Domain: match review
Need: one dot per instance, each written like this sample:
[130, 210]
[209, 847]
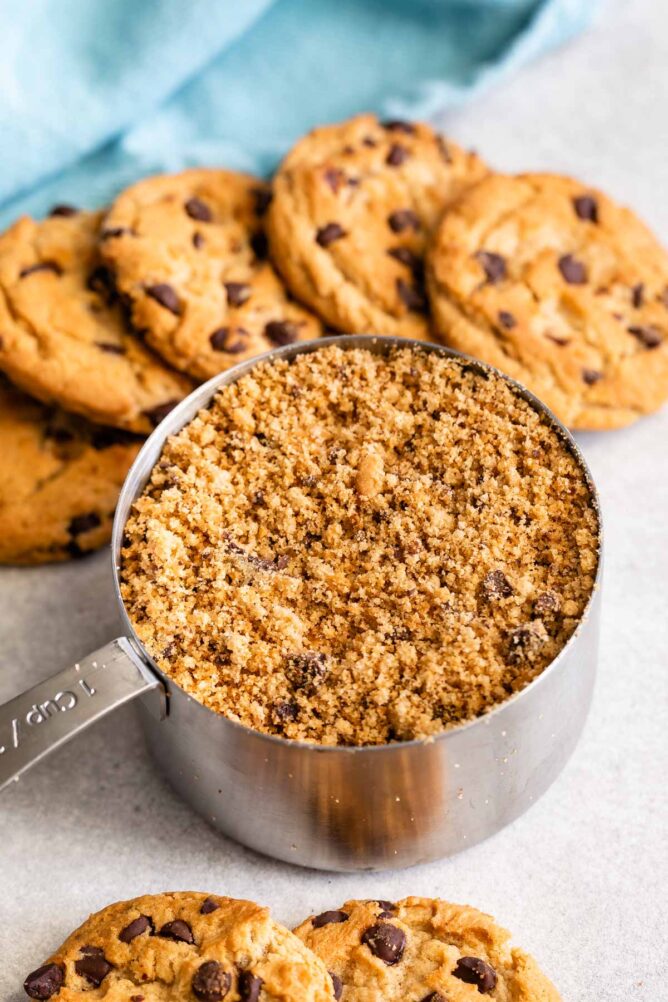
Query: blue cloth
[94, 93]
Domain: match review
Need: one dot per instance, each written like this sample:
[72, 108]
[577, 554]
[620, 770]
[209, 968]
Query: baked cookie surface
[63, 337]
[421, 950]
[59, 480]
[354, 205]
[561, 288]
[182, 947]
[188, 250]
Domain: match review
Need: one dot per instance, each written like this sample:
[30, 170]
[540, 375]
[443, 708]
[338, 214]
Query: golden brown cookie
[354, 205]
[421, 950]
[63, 337]
[310, 544]
[181, 947]
[59, 480]
[188, 250]
[561, 288]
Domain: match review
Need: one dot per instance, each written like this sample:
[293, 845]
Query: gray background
[581, 878]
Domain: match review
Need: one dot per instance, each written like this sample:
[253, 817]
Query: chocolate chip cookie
[59, 480]
[309, 546]
[181, 947]
[354, 205]
[561, 288]
[421, 950]
[189, 252]
[63, 336]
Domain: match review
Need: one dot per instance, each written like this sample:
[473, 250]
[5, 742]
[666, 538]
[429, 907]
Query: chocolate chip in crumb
[166, 296]
[525, 642]
[403, 219]
[83, 523]
[135, 928]
[208, 906]
[638, 295]
[63, 210]
[326, 235]
[238, 293]
[586, 207]
[93, 966]
[177, 930]
[156, 414]
[249, 986]
[387, 942]
[434, 997]
[281, 332]
[307, 671]
[397, 156]
[494, 265]
[337, 985]
[199, 210]
[507, 320]
[211, 982]
[547, 602]
[45, 982]
[474, 971]
[411, 296]
[284, 712]
[591, 376]
[572, 270]
[329, 918]
[51, 266]
[495, 584]
[649, 337]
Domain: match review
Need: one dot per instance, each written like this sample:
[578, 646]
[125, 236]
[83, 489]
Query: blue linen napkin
[94, 93]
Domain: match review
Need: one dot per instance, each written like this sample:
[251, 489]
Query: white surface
[581, 878]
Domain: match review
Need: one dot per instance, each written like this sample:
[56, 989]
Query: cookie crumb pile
[352, 549]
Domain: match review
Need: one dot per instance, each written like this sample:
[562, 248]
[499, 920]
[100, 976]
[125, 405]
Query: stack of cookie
[188, 946]
[373, 227]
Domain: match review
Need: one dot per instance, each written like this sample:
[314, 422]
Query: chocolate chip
[237, 293]
[591, 376]
[63, 210]
[638, 295]
[42, 266]
[496, 585]
[444, 149]
[526, 641]
[198, 241]
[156, 414]
[281, 332]
[337, 985]
[284, 712]
[408, 258]
[328, 918]
[492, 264]
[177, 930]
[111, 349]
[135, 928]
[326, 235]
[259, 245]
[648, 336]
[211, 982]
[572, 270]
[114, 231]
[586, 207]
[83, 523]
[561, 341]
[474, 971]
[208, 906]
[403, 219]
[387, 942]
[398, 154]
[387, 906]
[334, 178]
[412, 296]
[136, 998]
[434, 997]
[101, 281]
[166, 296]
[262, 199]
[398, 125]
[104, 438]
[249, 986]
[507, 320]
[547, 601]
[93, 966]
[197, 209]
[307, 671]
[44, 982]
[368, 141]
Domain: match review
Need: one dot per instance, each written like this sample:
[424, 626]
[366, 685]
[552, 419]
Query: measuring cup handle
[48, 715]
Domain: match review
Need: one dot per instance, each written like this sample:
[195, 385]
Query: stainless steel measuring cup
[328, 807]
